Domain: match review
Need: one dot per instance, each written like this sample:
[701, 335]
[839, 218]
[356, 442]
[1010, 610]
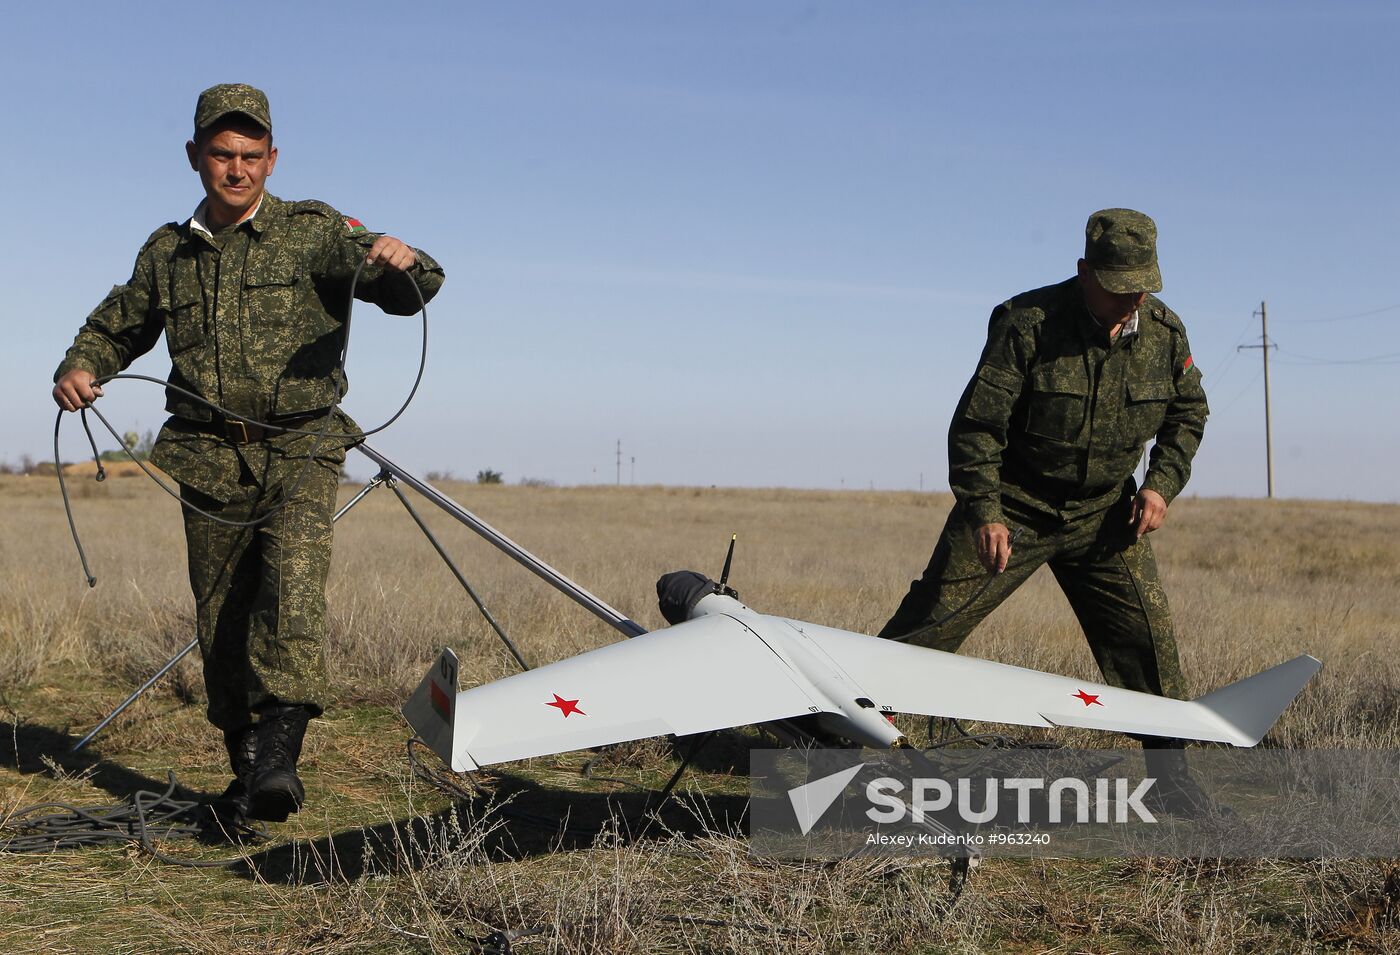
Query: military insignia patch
[354, 225]
[1187, 364]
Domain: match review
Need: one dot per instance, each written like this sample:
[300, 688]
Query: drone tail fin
[1249, 707]
[432, 712]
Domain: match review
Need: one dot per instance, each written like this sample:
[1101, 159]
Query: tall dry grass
[1251, 583]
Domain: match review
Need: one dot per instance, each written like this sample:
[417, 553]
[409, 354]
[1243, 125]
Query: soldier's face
[1110, 308]
[233, 162]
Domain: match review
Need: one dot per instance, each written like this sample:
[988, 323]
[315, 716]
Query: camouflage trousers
[1110, 580]
[260, 592]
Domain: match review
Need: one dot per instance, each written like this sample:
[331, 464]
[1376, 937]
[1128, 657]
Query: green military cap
[1120, 245]
[218, 101]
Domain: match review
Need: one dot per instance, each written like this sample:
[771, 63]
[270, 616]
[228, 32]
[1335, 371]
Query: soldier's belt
[246, 432]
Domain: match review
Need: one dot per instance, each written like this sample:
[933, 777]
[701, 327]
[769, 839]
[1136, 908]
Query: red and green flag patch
[438, 696]
[1188, 363]
[354, 225]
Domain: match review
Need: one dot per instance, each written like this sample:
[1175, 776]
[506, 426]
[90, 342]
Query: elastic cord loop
[310, 456]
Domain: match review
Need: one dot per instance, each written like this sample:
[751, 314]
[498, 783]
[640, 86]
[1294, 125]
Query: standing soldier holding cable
[252, 293]
[1074, 380]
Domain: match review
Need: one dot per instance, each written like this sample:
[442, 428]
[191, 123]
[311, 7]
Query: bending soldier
[1074, 380]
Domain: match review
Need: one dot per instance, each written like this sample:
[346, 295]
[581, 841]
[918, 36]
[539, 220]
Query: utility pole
[1264, 345]
[619, 462]
[634, 469]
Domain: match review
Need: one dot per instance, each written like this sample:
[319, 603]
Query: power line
[1225, 364]
[1341, 318]
[1238, 395]
[1298, 359]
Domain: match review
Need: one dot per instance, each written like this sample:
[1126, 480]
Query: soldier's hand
[993, 546]
[1149, 512]
[392, 254]
[76, 390]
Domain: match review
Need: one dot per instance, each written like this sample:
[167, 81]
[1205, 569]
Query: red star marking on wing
[566, 706]
[1090, 699]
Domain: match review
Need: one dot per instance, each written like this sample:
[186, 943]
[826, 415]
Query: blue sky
[755, 242]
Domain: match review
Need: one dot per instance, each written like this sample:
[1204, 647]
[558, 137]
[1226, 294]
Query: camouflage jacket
[256, 326]
[255, 322]
[1056, 417]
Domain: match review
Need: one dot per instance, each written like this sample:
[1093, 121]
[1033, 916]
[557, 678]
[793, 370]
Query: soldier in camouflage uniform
[1074, 380]
[251, 293]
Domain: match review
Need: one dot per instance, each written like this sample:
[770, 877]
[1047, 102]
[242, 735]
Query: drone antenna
[728, 559]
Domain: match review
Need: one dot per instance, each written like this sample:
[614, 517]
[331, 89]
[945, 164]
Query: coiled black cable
[149, 817]
[310, 455]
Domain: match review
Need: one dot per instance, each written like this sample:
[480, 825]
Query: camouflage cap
[1120, 245]
[218, 101]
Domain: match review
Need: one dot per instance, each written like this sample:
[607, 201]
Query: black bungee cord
[310, 456]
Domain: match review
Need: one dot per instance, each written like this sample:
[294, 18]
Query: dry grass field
[380, 862]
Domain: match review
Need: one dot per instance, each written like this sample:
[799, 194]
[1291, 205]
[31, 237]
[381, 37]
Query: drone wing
[909, 679]
[704, 674]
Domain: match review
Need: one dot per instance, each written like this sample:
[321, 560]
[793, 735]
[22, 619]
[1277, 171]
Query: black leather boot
[1176, 792]
[242, 747]
[276, 791]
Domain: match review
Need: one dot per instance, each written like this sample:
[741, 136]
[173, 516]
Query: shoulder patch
[355, 225]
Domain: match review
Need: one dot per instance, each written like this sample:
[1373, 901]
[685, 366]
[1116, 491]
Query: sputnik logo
[565, 706]
[811, 800]
[1089, 699]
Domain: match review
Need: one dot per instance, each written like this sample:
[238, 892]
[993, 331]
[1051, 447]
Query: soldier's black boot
[1176, 792]
[276, 791]
[242, 746]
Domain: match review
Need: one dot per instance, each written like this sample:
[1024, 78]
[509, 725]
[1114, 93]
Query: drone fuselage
[849, 711]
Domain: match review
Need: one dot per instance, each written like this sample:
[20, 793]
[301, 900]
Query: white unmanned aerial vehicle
[723, 665]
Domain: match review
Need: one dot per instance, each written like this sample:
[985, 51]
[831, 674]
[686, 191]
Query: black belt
[246, 432]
